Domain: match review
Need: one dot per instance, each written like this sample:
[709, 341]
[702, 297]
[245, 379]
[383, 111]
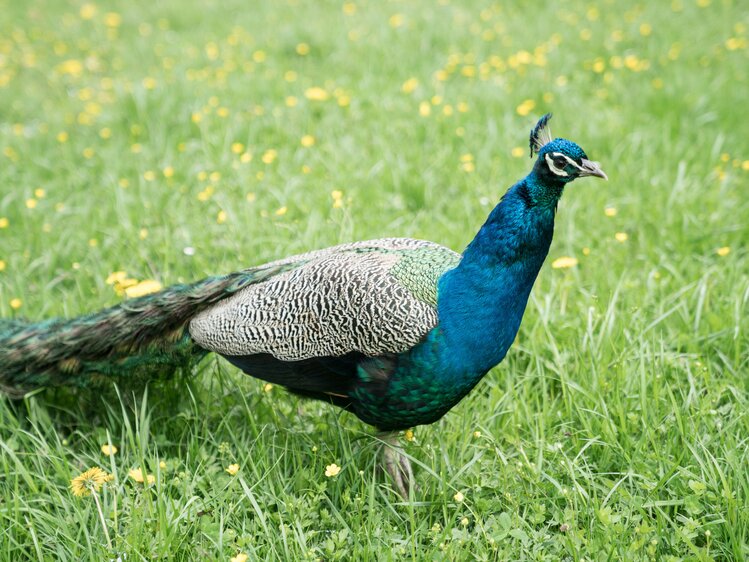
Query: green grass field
[173, 140]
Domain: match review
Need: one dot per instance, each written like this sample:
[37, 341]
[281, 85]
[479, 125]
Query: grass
[617, 427]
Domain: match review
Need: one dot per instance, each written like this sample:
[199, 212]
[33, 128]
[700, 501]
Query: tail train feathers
[139, 337]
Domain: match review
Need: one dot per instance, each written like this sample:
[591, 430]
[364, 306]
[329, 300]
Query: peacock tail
[145, 336]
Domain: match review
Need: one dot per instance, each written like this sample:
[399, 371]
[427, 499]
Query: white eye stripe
[553, 167]
[569, 160]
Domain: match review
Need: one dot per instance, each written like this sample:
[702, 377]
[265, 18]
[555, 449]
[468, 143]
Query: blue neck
[481, 302]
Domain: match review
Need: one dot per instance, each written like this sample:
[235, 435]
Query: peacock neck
[481, 302]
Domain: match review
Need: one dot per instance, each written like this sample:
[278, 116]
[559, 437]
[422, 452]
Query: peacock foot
[397, 465]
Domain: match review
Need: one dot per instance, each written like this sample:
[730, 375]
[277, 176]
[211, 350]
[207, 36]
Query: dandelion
[237, 148]
[302, 49]
[108, 449]
[4, 222]
[267, 387]
[316, 94]
[332, 470]
[526, 107]
[425, 109]
[31, 203]
[90, 481]
[410, 85]
[87, 11]
[724, 251]
[409, 435]
[459, 497]
[168, 172]
[2, 265]
[621, 236]
[565, 262]
[269, 156]
[241, 557]
[337, 196]
[610, 211]
[112, 19]
[518, 152]
[307, 141]
[281, 211]
[162, 465]
[143, 288]
[137, 475]
[15, 304]
[221, 217]
[396, 20]
[232, 469]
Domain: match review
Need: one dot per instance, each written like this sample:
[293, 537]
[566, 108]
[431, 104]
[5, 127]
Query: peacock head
[559, 161]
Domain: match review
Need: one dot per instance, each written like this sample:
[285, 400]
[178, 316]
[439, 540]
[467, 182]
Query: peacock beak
[590, 168]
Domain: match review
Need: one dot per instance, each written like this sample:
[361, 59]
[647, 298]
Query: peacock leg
[396, 464]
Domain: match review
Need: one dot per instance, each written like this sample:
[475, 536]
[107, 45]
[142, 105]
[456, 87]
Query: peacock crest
[540, 134]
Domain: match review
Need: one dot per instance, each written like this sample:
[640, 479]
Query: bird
[395, 330]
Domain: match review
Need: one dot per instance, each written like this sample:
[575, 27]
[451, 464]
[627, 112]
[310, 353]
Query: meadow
[173, 140]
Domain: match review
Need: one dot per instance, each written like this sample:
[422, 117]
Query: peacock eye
[560, 162]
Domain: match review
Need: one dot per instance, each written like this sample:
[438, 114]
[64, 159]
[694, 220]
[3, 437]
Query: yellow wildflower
[724, 251]
[87, 11]
[477, 434]
[221, 217]
[564, 262]
[2, 265]
[108, 449]
[116, 277]
[621, 236]
[269, 156]
[396, 20]
[112, 19]
[307, 141]
[15, 304]
[459, 497]
[237, 148]
[316, 94]
[409, 435]
[281, 211]
[425, 109]
[410, 85]
[162, 465]
[526, 107]
[332, 470]
[302, 49]
[39, 193]
[137, 475]
[267, 387]
[143, 288]
[168, 172]
[31, 203]
[90, 481]
[232, 469]
[4, 222]
[241, 557]
[610, 211]
[518, 152]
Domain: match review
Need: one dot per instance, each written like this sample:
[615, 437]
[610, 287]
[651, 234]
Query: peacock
[395, 330]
